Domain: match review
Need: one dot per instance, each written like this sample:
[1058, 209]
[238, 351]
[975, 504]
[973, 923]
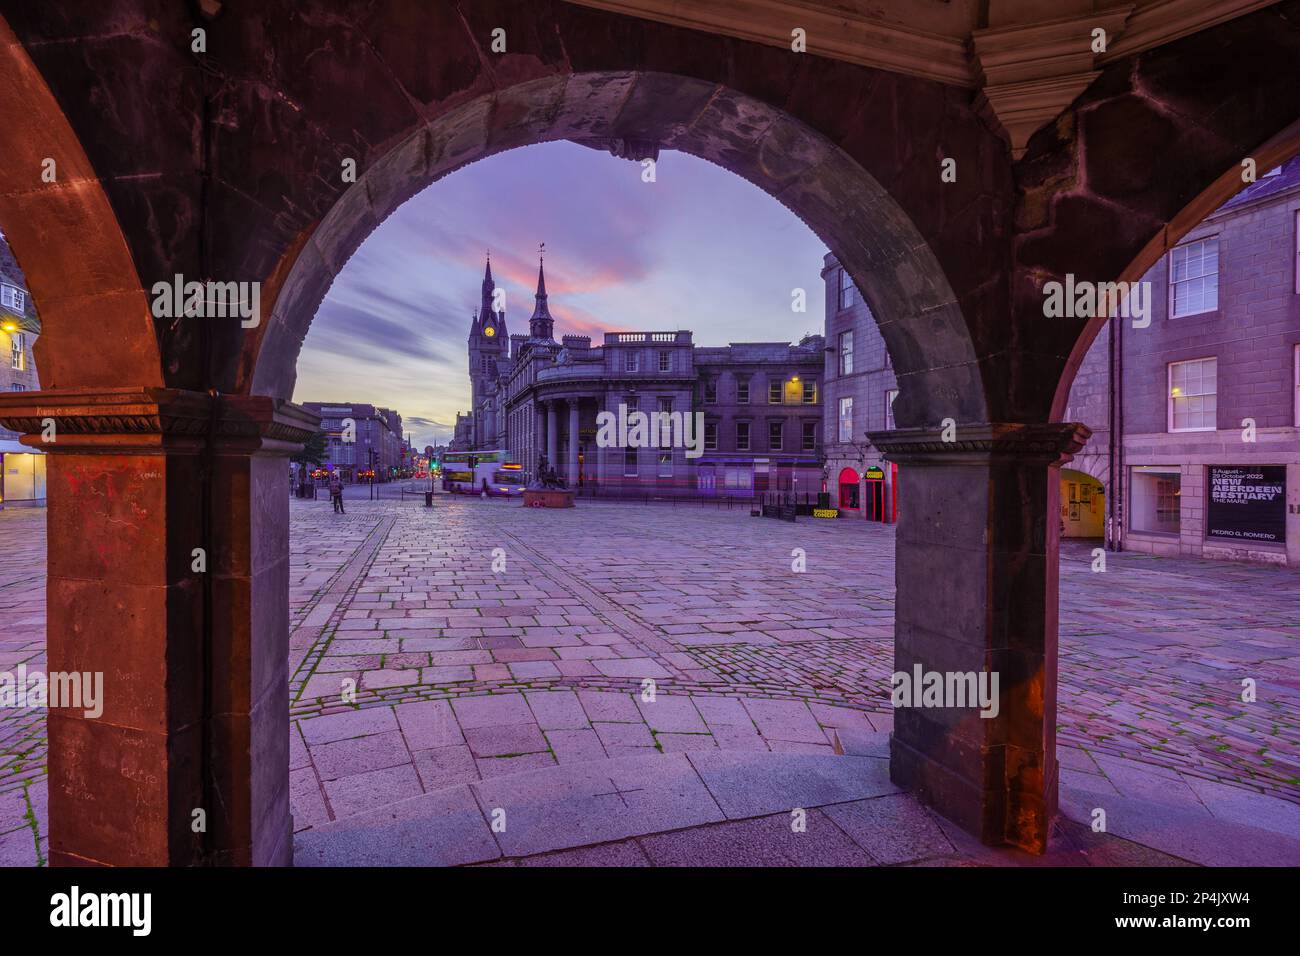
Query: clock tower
[488, 342]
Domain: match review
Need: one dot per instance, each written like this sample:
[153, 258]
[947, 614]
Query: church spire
[486, 310]
[541, 325]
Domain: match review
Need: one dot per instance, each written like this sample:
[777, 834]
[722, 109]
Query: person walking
[336, 493]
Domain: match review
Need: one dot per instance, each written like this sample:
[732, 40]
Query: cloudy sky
[697, 249]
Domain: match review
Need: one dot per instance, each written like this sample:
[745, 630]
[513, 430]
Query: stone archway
[65, 235]
[1272, 152]
[635, 115]
[229, 165]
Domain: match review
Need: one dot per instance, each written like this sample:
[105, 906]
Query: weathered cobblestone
[551, 651]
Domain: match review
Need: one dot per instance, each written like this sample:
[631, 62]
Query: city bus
[476, 472]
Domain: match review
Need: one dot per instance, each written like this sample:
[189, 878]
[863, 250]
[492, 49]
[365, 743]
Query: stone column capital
[120, 420]
[1045, 443]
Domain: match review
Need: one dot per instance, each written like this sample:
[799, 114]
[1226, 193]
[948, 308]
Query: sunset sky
[698, 249]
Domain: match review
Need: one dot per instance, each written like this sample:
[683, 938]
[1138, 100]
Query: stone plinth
[548, 498]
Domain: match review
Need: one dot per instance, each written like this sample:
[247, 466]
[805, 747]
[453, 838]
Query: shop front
[22, 475]
[882, 493]
[850, 491]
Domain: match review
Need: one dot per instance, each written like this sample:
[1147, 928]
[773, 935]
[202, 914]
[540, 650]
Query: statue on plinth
[546, 477]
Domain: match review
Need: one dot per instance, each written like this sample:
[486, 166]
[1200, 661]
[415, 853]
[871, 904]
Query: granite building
[1195, 449]
[377, 443]
[22, 469]
[757, 405]
[860, 388]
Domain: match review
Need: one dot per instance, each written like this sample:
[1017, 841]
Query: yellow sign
[826, 513]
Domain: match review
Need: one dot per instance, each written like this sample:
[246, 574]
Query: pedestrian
[336, 493]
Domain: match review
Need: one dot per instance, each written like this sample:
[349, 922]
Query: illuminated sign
[826, 513]
[1247, 503]
[874, 473]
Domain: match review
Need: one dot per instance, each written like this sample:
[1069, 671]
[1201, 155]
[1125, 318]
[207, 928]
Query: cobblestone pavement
[480, 638]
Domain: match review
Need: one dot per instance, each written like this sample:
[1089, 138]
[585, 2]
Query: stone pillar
[572, 472]
[192, 644]
[552, 436]
[976, 571]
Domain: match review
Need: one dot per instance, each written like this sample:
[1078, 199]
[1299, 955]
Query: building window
[710, 436]
[846, 352]
[774, 392]
[809, 392]
[1297, 251]
[711, 392]
[738, 478]
[12, 297]
[809, 436]
[742, 391]
[775, 432]
[1297, 385]
[665, 361]
[15, 387]
[633, 402]
[1155, 499]
[846, 290]
[629, 361]
[629, 463]
[889, 409]
[846, 419]
[664, 423]
[742, 436]
[666, 463]
[1193, 399]
[1194, 277]
[16, 356]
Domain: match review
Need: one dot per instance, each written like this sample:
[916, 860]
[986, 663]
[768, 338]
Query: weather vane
[541, 251]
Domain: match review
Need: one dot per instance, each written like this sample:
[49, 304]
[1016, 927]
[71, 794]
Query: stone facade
[19, 328]
[860, 387]
[1243, 315]
[759, 405]
[378, 430]
[22, 469]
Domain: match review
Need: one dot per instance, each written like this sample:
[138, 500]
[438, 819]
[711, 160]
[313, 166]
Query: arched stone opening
[1272, 152]
[244, 199]
[65, 235]
[634, 114]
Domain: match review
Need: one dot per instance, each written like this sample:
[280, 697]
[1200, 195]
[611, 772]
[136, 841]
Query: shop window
[1156, 497]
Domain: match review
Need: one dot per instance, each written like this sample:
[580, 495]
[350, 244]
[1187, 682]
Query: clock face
[490, 331]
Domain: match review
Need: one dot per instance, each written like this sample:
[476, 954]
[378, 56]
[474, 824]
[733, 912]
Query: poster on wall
[1247, 503]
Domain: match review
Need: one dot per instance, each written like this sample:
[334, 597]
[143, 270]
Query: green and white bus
[482, 473]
